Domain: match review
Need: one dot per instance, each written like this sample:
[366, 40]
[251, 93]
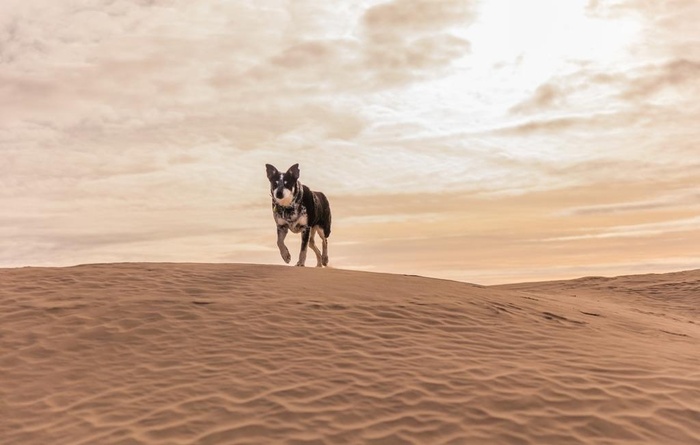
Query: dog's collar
[281, 210]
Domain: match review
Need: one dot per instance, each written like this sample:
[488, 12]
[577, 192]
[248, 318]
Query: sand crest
[250, 354]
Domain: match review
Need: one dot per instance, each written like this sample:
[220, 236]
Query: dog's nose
[279, 193]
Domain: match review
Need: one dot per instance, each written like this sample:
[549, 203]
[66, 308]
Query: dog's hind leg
[281, 235]
[305, 232]
[312, 244]
[324, 242]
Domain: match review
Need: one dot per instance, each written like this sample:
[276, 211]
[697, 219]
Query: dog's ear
[271, 171]
[294, 170]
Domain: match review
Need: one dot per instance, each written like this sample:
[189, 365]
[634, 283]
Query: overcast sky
[486, 141]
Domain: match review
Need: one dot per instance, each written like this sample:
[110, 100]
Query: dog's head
[283, 186]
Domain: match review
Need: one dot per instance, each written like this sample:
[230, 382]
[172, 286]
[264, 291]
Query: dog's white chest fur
[295, 220]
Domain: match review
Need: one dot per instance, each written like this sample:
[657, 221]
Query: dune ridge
[152, 353]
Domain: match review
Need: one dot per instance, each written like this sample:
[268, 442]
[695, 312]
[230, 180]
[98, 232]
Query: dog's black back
[318, 210]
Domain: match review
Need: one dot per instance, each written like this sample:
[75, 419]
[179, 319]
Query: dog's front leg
[281, 235]
[305, 232]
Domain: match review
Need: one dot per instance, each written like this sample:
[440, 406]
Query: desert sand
[251, 354]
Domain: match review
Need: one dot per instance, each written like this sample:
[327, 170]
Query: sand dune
[249, 354]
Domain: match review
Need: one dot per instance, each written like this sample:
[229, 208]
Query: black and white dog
[295, 207]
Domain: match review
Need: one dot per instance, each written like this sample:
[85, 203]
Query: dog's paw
[300, 264]
[286, 256]
[325, 260]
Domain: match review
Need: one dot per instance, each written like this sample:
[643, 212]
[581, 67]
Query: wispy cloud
[685, 199]
[636, 230]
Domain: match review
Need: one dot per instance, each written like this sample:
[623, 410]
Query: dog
[295, 207]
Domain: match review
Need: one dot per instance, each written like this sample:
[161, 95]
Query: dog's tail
[327, 227]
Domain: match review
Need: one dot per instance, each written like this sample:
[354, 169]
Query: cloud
[681, 75]
[100, 89]
[678, 76]
[588, 90]
[401, 61]
[637, 230]
[669, 30]
[301, 70]
[407, 16]
[571, 93]
[134, 56]
[547, 96]
[115, 72]
[398, 43]
[557, 124]
[684, 199]
[412, 39]
[652, 10]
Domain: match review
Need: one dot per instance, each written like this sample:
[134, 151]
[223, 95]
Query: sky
[486, 141]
